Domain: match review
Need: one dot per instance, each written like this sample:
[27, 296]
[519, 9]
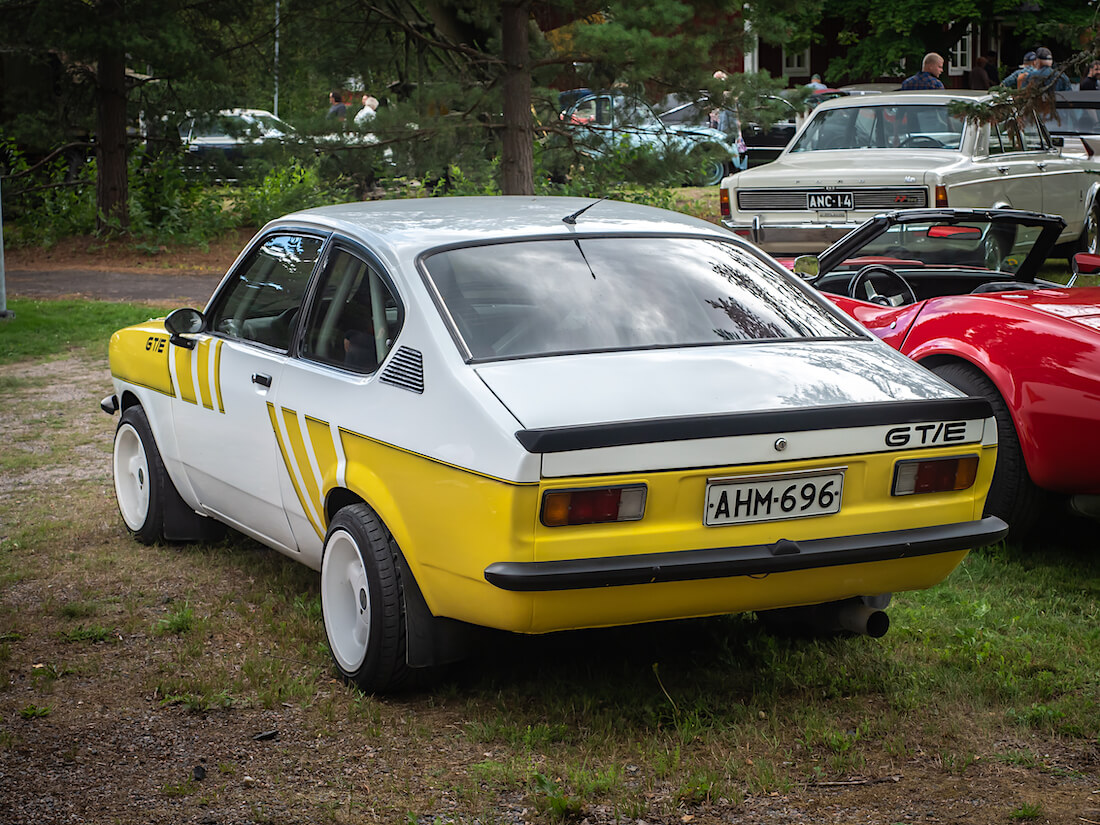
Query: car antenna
[572, 219]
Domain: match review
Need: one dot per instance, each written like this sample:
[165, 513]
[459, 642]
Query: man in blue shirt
[929, 75]
[1046, 73]
[1019, 78]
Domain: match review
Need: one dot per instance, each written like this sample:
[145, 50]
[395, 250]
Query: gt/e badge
[155, 343]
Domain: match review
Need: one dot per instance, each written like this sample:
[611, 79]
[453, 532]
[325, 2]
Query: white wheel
[141, 482]
[362, 602]
[131, 477]
[345, 595]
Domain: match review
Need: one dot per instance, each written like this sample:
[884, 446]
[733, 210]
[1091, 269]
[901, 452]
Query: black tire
[712, 172]
[362, 601]
[142, 485]
[1090, 235]
[1013, 496]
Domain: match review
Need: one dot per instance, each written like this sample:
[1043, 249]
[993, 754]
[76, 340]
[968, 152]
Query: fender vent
[405, 370]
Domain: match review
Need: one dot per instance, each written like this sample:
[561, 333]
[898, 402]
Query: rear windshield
[579, 295]
[881, 127]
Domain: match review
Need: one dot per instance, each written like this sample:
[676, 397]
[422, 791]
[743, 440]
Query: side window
[1008, 133]
[1032, 137]
[354, 319]
[262, 302]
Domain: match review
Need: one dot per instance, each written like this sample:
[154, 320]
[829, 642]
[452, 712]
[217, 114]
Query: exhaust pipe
[856, 617]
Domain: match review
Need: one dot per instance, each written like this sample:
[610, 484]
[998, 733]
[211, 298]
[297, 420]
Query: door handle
[261, 379]
[1003, 170]
[1042, 164]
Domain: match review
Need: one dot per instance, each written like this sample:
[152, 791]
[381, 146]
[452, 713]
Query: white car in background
[857, 156]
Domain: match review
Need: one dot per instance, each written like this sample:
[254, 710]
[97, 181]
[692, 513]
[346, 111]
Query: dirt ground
[111, 751]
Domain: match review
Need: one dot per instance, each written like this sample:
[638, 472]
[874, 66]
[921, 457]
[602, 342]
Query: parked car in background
[1076, 119]
[958, 291]
[859, 155]
[607, 122]
[229, 137]
[761, 145]
[539, 414]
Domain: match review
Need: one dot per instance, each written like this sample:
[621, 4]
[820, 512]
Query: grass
[47, 328]
[989, 680]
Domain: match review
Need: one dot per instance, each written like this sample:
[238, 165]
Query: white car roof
[409, 227]
[899, 98]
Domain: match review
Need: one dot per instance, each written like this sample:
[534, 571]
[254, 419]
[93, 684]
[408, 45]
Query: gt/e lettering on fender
[155, 343]
[919, 435]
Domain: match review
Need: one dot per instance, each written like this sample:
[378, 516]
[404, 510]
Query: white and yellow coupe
[539, 414]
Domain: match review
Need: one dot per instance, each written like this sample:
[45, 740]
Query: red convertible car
[958, 291]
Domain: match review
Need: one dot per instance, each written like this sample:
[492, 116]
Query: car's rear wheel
[362, 602]
[141, 482]
[1013, 496]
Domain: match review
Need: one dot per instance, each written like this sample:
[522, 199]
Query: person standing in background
[979, 77]
[929, 75]
[337, 109]
[1089, 81]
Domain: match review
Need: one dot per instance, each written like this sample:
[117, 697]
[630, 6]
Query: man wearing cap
[1046, 74]
[1019, 78]
[929, 75]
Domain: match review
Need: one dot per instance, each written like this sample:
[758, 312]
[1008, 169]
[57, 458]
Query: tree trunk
[111, 186]
[518, 163]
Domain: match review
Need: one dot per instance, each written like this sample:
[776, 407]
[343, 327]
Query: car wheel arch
[431, 641]
[1006, 386]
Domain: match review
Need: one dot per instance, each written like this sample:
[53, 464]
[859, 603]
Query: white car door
[350, 327]
[223, 415]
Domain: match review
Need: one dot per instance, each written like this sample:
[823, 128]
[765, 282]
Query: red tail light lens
[594, 506]
[934, 475]
[941, 196]
[724, 202]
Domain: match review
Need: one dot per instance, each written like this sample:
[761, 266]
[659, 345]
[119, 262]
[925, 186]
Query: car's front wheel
[1013, 496]
[362, 601]
[1090, 235]
[141, 482]
[712, 172]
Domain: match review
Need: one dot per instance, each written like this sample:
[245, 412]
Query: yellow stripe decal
[289, 466]
[218, 373]
[324, 452]
[309, 493]
[183, 375]
[353, 434]
[202, 353]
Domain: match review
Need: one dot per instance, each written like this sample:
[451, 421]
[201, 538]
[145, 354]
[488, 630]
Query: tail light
[934, 475]
[724, 202]
[593, 506]
[941, 196]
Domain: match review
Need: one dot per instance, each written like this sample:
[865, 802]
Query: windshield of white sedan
[881, 127]
[560, 296]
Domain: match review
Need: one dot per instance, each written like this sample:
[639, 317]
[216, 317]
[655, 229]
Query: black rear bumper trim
[751, 560]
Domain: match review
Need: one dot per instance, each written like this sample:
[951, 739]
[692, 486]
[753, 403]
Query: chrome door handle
[261, 379]
[1003, 170]
[1042, 164]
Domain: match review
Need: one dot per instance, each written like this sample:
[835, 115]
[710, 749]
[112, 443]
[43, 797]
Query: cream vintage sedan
[858, 156]
[539, 414]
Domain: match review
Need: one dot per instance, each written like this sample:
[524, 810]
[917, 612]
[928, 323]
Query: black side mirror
[182, 322]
